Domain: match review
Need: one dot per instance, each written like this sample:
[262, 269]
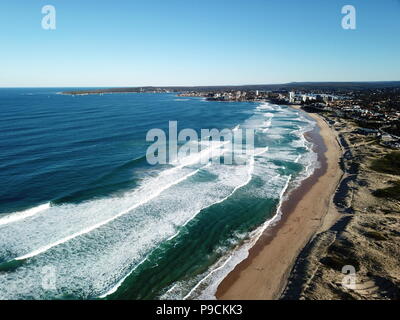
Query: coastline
[307, 210]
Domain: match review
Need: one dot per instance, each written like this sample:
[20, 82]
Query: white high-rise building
[291, 97]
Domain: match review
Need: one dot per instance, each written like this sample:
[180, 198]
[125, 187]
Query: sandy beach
[307, 211]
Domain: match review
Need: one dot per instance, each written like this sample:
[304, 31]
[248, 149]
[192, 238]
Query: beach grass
[392, 192]
[375, 235]
[390, 163]
[337, 262]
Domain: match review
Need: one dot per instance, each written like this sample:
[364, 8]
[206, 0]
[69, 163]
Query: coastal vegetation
[340, 253]
[392, 192]
[375, 235]
[364, 237]
[337, 262]
[390, 163]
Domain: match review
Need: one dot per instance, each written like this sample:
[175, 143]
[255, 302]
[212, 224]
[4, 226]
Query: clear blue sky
[197, 42]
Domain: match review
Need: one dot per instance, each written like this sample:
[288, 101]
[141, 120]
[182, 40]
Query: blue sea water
[80, 205]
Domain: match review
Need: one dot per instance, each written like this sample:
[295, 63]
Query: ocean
[83, 215]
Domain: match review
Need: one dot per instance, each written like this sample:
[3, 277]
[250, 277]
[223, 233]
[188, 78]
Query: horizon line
[194, 86]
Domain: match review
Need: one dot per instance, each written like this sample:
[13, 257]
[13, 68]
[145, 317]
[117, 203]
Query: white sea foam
[212, 279]
[210, 150]
[268, 114]
[16, 216]
[207, 283]
[80, 219]
[94, 246]
[104, 222]
[268, 106]
[104, 256]
[250, 169]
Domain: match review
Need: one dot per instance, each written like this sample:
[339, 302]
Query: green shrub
[375, 235]
[390, 163]
[338, 262]
[389, 193]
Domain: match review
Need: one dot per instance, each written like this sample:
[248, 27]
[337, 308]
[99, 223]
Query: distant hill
[339, 86]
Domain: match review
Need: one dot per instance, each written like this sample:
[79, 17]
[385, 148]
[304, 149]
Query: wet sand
[307, 210]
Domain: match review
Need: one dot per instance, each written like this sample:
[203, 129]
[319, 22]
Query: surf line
[16, 216]
[190, 161]
[230, 257]
[258, 233]
[118, 284]
[250, 173]
[100, 224]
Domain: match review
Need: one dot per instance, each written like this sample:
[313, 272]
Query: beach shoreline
[307, 210]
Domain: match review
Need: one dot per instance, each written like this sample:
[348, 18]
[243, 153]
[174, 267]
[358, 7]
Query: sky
[102, 43]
